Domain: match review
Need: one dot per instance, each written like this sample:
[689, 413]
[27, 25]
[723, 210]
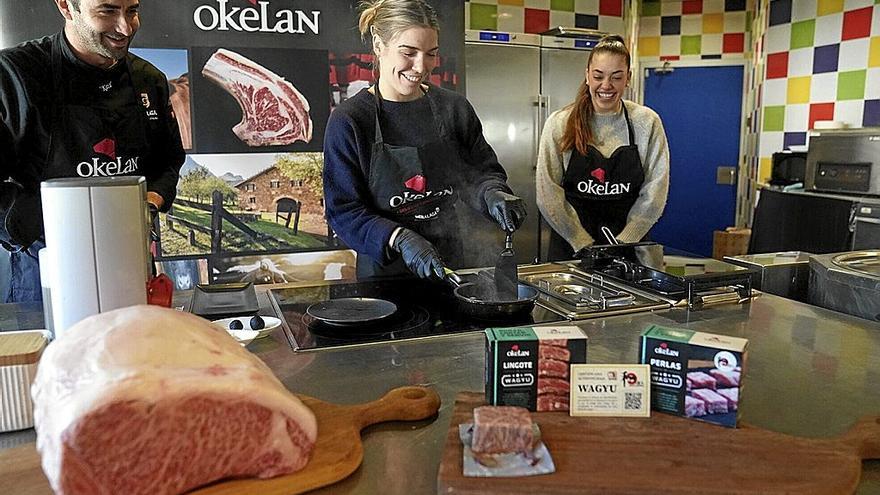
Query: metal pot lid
[351, 310]
[864, 262]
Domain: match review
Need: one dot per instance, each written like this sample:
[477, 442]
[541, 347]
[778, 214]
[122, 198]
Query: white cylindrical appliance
[97, 235]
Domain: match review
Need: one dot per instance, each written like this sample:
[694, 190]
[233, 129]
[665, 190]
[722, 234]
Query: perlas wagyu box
[694, 374]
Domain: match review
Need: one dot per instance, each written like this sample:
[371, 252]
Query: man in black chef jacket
[78, 104]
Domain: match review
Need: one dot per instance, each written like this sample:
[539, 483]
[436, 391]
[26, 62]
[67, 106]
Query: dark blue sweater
[348, 139]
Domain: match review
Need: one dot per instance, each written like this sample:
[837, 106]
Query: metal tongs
[609, 236]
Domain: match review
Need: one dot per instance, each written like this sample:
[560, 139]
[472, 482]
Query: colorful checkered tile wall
[536, 16]
[822, 63]
[694, 29]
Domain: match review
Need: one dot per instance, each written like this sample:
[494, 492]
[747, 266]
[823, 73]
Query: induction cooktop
[424, 309]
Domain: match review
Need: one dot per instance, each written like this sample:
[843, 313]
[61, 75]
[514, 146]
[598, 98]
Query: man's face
[101, 30]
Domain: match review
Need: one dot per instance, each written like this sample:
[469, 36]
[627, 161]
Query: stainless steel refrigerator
[514, 81]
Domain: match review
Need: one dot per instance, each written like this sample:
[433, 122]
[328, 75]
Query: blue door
[701, 111]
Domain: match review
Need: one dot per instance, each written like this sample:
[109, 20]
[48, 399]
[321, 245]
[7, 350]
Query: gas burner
[673, 275]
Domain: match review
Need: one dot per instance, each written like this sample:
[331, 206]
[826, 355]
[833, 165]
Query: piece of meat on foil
[273, 111]
[502, 429]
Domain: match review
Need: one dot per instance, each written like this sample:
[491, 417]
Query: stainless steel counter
[810, 372]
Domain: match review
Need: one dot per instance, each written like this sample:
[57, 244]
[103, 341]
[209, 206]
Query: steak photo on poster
[259, 99]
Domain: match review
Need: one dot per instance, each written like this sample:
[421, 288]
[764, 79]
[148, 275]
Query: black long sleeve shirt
[26, 102]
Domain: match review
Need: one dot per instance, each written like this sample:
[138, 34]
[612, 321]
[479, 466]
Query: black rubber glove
[419, 255]
[508, 210]
[154, 215]
[584, 252]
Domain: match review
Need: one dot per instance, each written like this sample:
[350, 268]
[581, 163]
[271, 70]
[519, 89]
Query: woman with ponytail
[602, 161]
[401, 156]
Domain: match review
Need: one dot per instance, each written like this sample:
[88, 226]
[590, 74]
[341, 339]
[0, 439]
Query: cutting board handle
[864, 436]
[399, 404]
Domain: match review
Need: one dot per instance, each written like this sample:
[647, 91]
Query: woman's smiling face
[607, 75]
[405, 62]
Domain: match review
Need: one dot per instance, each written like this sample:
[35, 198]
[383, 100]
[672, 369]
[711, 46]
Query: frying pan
[480, 299]
[351, 310]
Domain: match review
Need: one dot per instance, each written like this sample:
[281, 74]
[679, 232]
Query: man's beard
[94, 42]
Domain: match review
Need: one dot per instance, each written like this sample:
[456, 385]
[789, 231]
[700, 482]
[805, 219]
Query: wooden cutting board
[669, 454]
[338, 451]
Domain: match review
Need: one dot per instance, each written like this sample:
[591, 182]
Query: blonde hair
[578, 134]
[385, 19]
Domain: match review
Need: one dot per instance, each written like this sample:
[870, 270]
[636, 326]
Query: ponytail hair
[385, 19]
[578, 133]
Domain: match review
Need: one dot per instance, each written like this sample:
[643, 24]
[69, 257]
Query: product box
[530, 366]
[20, 354]
[733, 241]
[694, 374]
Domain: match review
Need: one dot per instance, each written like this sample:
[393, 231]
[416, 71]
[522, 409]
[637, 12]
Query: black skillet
[480, 299]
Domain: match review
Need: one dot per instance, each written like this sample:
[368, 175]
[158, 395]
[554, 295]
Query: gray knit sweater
[610, 133]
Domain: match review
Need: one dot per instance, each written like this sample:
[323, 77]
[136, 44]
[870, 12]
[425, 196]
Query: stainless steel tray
[577, 291]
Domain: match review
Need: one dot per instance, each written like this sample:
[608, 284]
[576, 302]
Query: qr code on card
[632, 401]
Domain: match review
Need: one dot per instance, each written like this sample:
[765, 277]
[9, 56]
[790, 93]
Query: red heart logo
[599, 174]
[252, 2]
[106, 147]
[416, 183]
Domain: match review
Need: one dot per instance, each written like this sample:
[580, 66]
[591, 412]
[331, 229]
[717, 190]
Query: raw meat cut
[273, 111]
[180, 104]
[732, 396]
[694, 407]
[714, 403]
[726, 378]
[553, 368]
[555, 342]
[552, 402]
[553, 386]
[500, 429]
[553, 352]
[701, 380]
[149, 400]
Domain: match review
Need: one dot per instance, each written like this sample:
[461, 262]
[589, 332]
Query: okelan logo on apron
[601, 188]
[99, 167]
[409, 201]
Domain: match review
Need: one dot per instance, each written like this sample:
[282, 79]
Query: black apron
[89, 141]
[416, 186]
[601, 190]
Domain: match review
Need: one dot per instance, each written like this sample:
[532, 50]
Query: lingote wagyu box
[530, 366]
[694, 374]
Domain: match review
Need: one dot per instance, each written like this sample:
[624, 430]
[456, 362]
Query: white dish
[243, 337]
[271, 324]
